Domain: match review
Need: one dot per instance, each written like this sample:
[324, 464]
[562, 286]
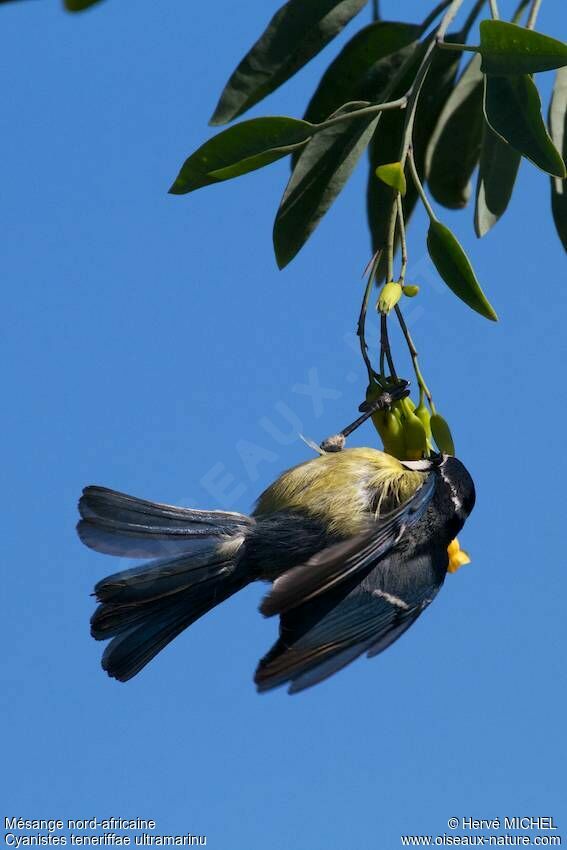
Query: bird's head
[455, 489]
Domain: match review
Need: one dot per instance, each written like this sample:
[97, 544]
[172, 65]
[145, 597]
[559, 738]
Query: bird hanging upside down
[354, 541]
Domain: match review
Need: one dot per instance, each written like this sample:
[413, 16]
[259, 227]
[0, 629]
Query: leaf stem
[361, 327]
[471, 18]
[519, 11]
[385, 346]
[534, 11]
[494, 10]
[423, 388]
[415, 90]
[434, 13]
[403, 243]
[375, 10]
[390, 242]
[419, 187]
[373, 109]
[452, 45]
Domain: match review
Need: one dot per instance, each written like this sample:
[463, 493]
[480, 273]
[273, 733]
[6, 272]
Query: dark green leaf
[558, 130]
[79, 5]
[380, 197]
[499, 165]
[454, 147]
[242, 148]
[321, 171]
[454, 267]
[363, 68]
[513, 109]
[296, 33]
[508, 49]
[385, 147]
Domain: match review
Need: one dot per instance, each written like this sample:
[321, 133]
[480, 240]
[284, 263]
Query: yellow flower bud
[414, 436]
[389, 297]
[442, 434]
[424, 415]
[392, 174]
[410, 290]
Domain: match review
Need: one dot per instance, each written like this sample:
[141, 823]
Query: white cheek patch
[393, 600]
[454, 497]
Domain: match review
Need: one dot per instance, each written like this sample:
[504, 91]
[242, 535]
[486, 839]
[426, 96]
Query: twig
[519, 11]
[434, 13]
[423, 388]
[375, 10]
[361, 328]
[374, 109]
[471, 17]
[391, 237]
[385, 346]
[534, 11]
[419, 187]
[415, 90]
[404, 247]
[494, 10]
[453, 45]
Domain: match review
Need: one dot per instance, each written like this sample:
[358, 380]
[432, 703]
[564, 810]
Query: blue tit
[354, 543]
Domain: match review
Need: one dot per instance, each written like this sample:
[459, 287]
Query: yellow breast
[341, 488]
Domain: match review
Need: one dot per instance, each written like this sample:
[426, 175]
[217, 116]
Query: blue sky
[150, 344]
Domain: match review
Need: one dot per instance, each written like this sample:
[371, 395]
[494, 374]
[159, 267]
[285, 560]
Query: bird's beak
[426, 464]
[418, 465]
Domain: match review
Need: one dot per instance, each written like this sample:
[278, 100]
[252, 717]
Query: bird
[354, 542]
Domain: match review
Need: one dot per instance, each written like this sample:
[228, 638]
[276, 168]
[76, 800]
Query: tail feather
[143, 631]
[118, 524]
[144, 608]
[162, 578]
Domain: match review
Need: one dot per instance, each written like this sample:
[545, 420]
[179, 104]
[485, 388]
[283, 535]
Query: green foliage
[453, 151]
[497, 172]
[512, 107]
[79, 5]
[558, 130]
[296, 33]
[395, 90]
[324, 166]
[363, 68]
[240, 149]
[508, 49]
[454, 267]
[385, 148]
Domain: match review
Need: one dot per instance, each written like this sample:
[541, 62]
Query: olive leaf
[509, 49]
[240, 149]
[385, 146]
[363, 68]
[512, 108]
[497, 172]
[558, 130]
[78, 5]
[324, 166]
[454, 267]
[453, 150]
[296, 33]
